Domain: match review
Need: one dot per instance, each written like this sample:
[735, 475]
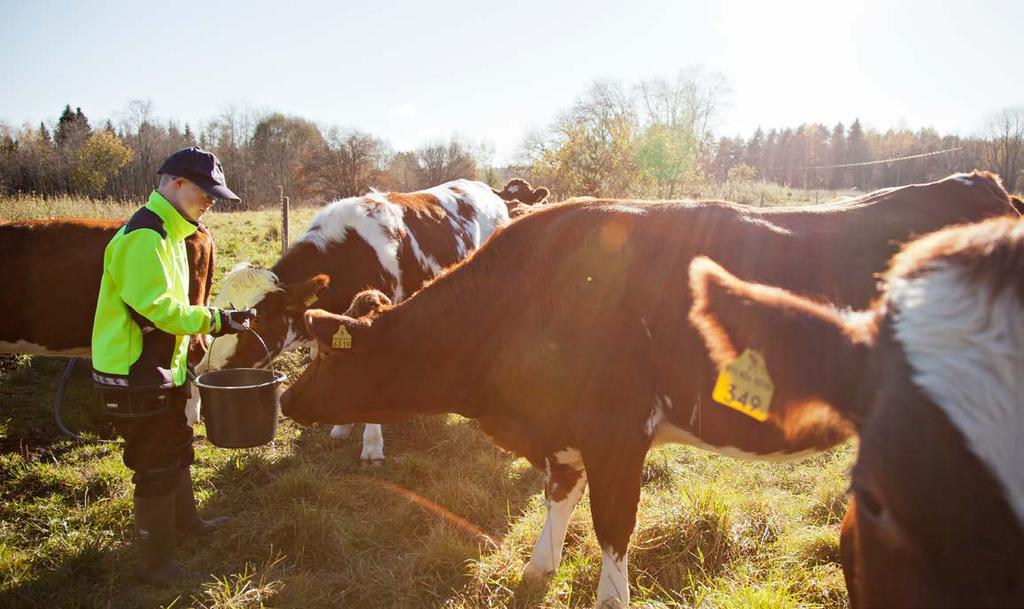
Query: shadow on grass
[27, 392]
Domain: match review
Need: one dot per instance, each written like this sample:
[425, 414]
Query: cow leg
[614, 472]
[373, 445]
[565, 481]
[340, 432]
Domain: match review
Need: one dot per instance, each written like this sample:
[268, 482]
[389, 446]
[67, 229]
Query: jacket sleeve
[144, 283]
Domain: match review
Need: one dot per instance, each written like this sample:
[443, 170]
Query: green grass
[311, 528]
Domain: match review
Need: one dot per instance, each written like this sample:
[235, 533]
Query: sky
[414, 72]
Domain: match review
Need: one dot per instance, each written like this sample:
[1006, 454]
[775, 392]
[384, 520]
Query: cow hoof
[374, 462]
[535, 574]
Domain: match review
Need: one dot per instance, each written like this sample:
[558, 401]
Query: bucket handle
[270, 358]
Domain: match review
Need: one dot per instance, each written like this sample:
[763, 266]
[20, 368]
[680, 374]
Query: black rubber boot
[154, 521]
[187, 521]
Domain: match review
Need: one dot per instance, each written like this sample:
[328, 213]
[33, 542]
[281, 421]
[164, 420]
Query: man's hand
[233, 322]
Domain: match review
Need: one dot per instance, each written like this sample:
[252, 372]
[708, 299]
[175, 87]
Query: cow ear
[332, 332]
[813, 355]
[304, 294]
[540, 195]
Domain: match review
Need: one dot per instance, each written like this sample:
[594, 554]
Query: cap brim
[220, 192]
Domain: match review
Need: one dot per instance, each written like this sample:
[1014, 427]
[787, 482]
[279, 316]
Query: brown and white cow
[931, 378]
[50, 271]
[392, 241]
[565, 335]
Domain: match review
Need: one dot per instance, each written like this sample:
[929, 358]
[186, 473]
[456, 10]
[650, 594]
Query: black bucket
[240, 404]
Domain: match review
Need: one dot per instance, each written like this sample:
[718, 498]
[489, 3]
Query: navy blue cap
[202, 167]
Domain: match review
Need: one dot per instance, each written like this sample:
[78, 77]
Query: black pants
[157, 447]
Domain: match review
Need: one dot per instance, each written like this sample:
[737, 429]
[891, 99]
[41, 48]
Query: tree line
[654, 139]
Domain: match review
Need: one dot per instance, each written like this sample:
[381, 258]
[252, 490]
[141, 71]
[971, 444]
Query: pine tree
[857, 152]
[44, 134]
[72, 127]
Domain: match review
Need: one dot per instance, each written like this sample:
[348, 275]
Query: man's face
[191, 200]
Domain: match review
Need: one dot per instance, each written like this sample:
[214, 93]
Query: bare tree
[349, 163]
[442, 161]
[1005, 132]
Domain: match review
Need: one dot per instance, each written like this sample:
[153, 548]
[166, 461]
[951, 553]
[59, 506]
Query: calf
[563, 336]
[521, 198]
[929, 376]
[390, 241]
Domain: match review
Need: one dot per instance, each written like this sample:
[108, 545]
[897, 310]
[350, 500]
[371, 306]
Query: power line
[883, 161]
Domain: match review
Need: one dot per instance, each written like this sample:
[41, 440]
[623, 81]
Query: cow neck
[431, 336]
[352, 265]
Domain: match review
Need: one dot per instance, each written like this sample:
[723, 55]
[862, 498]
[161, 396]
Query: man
[139, 349]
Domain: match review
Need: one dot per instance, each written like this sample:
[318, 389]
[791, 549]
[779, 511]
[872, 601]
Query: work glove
[233, 322]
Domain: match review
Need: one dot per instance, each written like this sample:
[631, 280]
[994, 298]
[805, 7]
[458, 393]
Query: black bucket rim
[279, 377]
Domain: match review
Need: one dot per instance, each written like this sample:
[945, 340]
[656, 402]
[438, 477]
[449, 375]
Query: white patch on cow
[340, 432]
[491, 210]
[192, 406]
[429, 264]
[513, 188]
[219, 353]
[27, 348]
[613, 588]
[375, 219]
[966, 347]
[373, 444]
[293, 339]
[667, 433]
[547, 552]
[244, 286]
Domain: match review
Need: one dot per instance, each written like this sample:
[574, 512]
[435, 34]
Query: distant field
[312, 529]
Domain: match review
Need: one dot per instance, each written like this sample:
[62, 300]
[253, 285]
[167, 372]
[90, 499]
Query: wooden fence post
[284, 219]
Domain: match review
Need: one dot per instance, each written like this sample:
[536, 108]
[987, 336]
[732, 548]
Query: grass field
[448, 521]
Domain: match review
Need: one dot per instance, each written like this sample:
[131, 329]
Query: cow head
[930, 378]
[345, 380]
[279, 308]
[520, 197]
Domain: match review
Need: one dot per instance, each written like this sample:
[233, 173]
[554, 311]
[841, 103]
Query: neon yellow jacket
[143, 317]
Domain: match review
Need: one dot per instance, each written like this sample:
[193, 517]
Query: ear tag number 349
[744, 384]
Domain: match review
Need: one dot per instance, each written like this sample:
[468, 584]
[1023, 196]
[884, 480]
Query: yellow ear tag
[744, 384]
[341, 339]
[309, 300]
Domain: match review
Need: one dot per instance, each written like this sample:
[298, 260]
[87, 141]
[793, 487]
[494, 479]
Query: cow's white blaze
[965, 345]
